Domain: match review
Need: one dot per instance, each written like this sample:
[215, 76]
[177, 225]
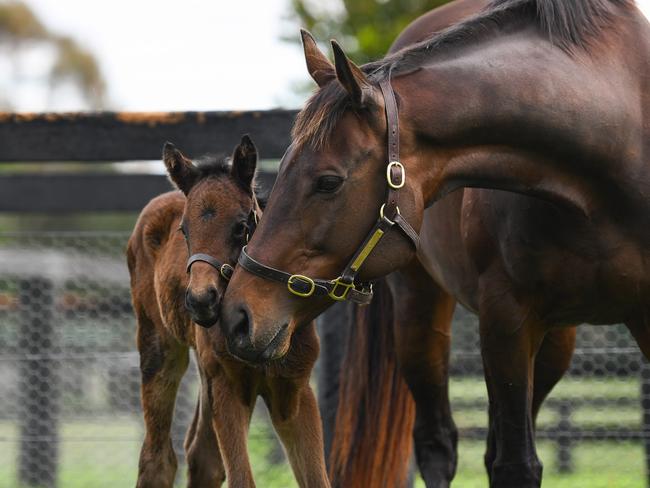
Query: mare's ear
[244, 161]
[180, 169]
[319, 67]
[351, 77]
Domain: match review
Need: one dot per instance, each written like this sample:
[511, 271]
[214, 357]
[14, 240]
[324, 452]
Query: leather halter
[345, 287]
[225, 270]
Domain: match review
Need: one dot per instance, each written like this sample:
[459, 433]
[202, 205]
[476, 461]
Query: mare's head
[331, 185]
[216, 219]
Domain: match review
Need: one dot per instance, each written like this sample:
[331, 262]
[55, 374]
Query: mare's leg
[232, 402]
[296, 419]
[551, 363]
[510, 338]
[422, 328]
[163, 361]
[204, 463]
[640, 329]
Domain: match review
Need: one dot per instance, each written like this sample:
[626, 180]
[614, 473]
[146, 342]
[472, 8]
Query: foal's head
[220, 207]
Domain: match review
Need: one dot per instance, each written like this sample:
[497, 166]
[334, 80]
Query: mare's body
[544, 98]
[431, 300]
[162, 288]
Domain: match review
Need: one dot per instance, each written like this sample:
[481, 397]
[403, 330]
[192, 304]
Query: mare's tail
[374, 422]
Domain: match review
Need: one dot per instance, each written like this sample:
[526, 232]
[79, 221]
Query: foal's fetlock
[157, 468]
[517, 475]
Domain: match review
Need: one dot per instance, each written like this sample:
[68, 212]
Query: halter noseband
[345, 286]
[225, 270]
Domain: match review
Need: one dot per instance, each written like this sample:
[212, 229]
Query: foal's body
[216, 441]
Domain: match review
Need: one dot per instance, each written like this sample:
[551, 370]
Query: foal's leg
[296, 419]
[422, 328]
[510, 339]
[163, 362]
[551, 363]
[232, 404]
[204, 464]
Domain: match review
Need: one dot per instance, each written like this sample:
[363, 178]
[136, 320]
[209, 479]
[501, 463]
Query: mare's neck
[519, 114]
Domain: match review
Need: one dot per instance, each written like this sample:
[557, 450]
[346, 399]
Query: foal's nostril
[207, 300]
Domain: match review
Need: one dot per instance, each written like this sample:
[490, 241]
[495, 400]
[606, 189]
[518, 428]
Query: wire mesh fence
[69, 383]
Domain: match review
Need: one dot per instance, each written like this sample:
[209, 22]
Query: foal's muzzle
[203, 307]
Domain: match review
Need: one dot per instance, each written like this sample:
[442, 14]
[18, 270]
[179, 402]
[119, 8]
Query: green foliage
[366, 28]
[20, 27]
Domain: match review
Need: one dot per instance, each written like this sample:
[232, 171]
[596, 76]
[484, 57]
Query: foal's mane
[212, 165]
[571, 25]
[217, 165]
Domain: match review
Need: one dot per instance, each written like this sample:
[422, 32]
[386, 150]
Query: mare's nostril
[241, 329]
[212, 295]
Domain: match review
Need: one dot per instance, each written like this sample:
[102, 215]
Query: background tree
[21, 30]
[366, 28]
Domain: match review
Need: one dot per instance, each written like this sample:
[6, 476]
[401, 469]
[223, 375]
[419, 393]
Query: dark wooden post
[564, 444]
[645, 407]
[39, 392]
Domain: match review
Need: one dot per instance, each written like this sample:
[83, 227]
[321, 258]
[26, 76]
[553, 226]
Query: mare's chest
[571, 268]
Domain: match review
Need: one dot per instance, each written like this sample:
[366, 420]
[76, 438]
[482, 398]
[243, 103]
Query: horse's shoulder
[158, 219]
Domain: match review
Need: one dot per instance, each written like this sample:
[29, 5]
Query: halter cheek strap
[345, 287]
[225, 270]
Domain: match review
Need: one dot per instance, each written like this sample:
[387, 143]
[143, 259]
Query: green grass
[103, 453]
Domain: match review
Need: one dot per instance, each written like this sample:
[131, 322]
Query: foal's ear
[180, 169]
[319, 67]
[244, 161]
[351, 77]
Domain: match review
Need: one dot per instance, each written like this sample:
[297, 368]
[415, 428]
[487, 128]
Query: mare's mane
[569, 24]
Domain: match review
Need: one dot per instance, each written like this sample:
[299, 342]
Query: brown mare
[210, 221]
[544, 100]
[362, 461]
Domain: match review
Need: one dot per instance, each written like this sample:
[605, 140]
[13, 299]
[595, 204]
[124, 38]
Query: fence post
[39, 392]
[645, 406]
[564, 455]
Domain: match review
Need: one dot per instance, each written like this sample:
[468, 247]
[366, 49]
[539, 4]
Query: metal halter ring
[298, 279]
[226, 271]
[389, 177]
[381, 213]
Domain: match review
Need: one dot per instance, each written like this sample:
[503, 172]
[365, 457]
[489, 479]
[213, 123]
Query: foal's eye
[240, 229]
[328, 184]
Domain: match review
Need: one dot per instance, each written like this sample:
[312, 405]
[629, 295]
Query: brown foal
[176, 304]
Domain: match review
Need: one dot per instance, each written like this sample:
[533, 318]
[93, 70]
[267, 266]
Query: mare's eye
[328, 184]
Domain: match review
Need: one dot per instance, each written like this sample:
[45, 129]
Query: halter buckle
[294, 279]
[226, 271]
[346, 288]
[389, 176]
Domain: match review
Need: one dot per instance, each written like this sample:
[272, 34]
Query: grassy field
[102, 453]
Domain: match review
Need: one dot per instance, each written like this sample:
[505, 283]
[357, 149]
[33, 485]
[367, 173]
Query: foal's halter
[345, 286]
[225, 270]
